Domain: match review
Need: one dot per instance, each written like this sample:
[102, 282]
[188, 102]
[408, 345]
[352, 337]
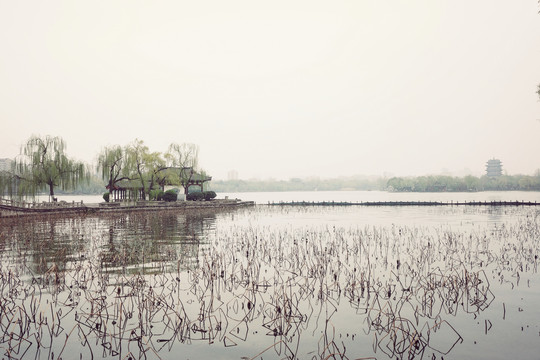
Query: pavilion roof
[129, 185]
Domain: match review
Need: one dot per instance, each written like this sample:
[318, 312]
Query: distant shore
[429, 183]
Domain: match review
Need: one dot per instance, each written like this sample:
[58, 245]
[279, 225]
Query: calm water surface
[275, 282]
[359, 196]
[350, 196]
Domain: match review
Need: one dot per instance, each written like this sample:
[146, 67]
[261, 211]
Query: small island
[134, 179]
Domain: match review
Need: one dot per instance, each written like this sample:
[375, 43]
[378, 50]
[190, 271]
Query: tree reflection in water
[142, 242]
[154, 285]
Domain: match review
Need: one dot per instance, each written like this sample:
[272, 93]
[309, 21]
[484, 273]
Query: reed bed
[267, 283]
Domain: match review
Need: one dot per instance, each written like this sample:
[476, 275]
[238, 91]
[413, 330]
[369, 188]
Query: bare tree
[185, 158]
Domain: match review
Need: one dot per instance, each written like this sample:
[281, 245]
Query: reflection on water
[142, 242]
[134, 242]
[273, 283]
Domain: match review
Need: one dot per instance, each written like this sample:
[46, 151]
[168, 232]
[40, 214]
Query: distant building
[5, 164]
[232, 175]
[494, 168]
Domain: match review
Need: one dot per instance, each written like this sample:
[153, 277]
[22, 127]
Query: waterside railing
[20, 204]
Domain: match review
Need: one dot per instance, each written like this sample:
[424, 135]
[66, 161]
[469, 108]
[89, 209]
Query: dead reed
[156, 285]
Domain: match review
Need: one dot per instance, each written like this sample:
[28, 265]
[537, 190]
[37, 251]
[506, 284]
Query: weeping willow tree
[8, 181]
[136, 153]
[184, 157]
[112, 165]
[42, 166]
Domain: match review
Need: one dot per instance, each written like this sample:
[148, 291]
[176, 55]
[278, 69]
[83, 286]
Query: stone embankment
[159, 205]
[9, 208]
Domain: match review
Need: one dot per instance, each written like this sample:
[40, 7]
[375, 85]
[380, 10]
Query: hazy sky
[279, 89]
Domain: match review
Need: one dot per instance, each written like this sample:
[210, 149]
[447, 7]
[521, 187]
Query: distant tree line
[296, 184]
[435, 183]
[463, 184]
[43, 165]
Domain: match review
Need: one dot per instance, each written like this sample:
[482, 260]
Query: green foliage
[106, 196]
[94, 186]
[201, 195]
[112, 165]
[195, 196]
[44, 165]
[310, 184]
[170, 195]
[434, 183]
[467, 183]
[184, 157]
[156, 195]
[8, 182]
[149, 168]
[135, 163]
[209, 195]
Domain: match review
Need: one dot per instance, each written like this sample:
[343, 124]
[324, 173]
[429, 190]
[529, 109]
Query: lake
[350, 196]
[277, 282]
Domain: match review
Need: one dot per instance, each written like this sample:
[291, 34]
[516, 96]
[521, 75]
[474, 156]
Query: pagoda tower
[494, 168]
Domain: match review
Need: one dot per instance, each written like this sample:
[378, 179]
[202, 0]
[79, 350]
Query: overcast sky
[280, 89]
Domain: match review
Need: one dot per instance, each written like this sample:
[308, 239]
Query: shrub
[195, 196]
[156, 195]
[199, 196]
[170, 195]
[209, 195]
[106, 196]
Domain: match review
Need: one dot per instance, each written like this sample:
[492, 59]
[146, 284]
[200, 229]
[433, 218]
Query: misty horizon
[385, 175]
[280, 90]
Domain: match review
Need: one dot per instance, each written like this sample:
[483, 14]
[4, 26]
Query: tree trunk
[186, 187]
[51, 191]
